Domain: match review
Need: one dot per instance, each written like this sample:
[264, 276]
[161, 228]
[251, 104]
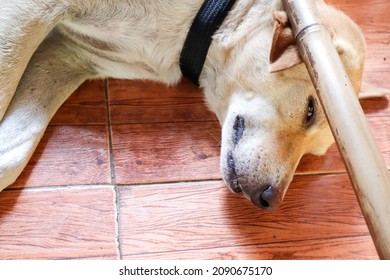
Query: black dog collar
[198, 41]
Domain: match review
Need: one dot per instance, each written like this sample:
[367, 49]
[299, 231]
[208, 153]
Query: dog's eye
[311, 109]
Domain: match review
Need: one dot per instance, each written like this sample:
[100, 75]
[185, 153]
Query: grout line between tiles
[150, 184]
[220, 180]
[112, 169]
[118, 222]
[109, 127]
[164, 122]
[58, 187]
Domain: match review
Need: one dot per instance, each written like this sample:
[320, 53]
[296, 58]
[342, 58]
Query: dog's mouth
[232, 178]
[265, 194]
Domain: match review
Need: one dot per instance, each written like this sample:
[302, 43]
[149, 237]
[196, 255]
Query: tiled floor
[130, 170]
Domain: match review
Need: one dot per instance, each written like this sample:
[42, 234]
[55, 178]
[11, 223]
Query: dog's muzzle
[265, 196]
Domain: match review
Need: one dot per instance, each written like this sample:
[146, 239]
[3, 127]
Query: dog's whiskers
[216, 139]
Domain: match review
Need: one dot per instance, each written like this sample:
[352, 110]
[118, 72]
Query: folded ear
[284, 53]
[369, 91]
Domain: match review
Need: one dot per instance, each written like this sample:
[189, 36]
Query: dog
[252, 78]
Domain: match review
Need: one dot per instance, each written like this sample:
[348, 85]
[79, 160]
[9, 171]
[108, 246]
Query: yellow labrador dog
[252, 77]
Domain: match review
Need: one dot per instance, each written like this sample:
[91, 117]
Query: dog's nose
[266, 198]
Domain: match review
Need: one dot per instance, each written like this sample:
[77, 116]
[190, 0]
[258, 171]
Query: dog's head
[271, 119]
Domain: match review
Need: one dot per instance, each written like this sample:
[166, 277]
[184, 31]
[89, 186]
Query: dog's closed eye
[310, 112]
[238, 127]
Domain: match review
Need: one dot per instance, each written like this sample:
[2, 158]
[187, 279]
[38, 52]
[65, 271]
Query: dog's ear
[284, 53]
[370, 91]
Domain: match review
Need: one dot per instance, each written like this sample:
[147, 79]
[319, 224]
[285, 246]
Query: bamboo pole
[366, 168]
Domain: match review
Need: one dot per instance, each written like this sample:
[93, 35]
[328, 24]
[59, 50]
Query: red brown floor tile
[86, 106]
[166, 152]
[207, 216]
[59, 223]
[69, 155]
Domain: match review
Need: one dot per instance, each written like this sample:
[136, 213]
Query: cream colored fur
[70, 41]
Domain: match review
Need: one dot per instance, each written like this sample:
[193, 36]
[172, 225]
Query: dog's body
[269, 120]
